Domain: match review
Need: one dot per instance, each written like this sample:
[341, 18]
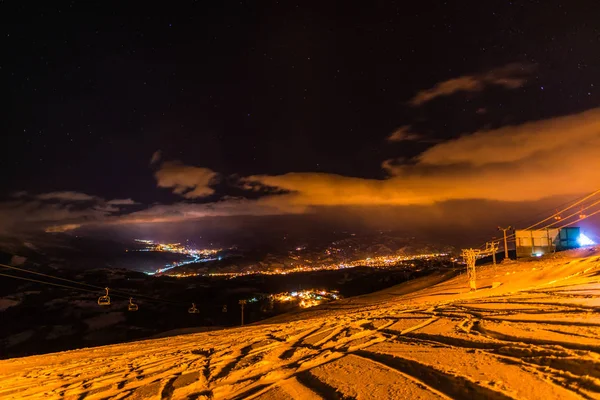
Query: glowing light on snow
[539, 254]
[584, 240]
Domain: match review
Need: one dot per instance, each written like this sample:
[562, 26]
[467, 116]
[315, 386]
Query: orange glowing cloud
[187, 181]
[522, 163]
[527, 162]
[62, 228]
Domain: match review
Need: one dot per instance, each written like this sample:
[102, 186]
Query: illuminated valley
[299, 264]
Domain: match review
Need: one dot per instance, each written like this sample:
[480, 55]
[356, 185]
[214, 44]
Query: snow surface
[532, 331]
[6, 302]
[104, 320]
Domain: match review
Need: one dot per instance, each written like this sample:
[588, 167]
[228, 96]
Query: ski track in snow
[534, 336]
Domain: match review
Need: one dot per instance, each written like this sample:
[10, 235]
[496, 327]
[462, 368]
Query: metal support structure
[505, 241]
[551, 246]
[493, 248]
[470, 257]
[532, 243]
[242, 304]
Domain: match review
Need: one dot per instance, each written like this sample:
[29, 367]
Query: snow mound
[7, 302]
[104, 320]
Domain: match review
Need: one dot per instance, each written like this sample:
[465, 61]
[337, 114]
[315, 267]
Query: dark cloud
[403, 134]
[156, 157]
[178, 212]
[122, 202]
[66, 196]
[57, 211]
[511, 76]
[20, 193]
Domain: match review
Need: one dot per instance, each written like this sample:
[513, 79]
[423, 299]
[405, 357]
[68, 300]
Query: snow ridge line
[453, 386]
[419, 326]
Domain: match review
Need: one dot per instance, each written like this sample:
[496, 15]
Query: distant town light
[584, 240]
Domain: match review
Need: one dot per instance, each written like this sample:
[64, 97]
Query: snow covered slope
[532, 331]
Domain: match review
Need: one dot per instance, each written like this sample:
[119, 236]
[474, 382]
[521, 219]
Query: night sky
[429, 113]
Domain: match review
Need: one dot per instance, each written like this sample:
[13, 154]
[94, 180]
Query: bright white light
[539, 254]
[584, 240]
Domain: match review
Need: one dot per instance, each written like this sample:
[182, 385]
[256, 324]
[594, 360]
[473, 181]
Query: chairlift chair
[104, 300]
[132, 306]
[224, 308]
[557, 216]
[193, 309]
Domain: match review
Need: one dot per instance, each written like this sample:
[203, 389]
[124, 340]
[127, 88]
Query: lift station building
[536, 243]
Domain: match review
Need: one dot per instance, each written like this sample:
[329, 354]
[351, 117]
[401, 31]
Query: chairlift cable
[545, 212]
[577, 220]
[572, 203]
[50, 276]
[123, 293]
[50, 283]
[69, 287]
[570, 216]
[575, 214]
[579, 201]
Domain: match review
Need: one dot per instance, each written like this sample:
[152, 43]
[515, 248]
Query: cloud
[20, 193]
[156, 156]
[121, 202]
[187, 181]
[66, 196]
[57, 211]
[568, 136]
[177, 212]
[35, 214]
[392, 164]
[62, 228]
[527, 162]
[518, 164]
[511, 76]
[403, 134]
